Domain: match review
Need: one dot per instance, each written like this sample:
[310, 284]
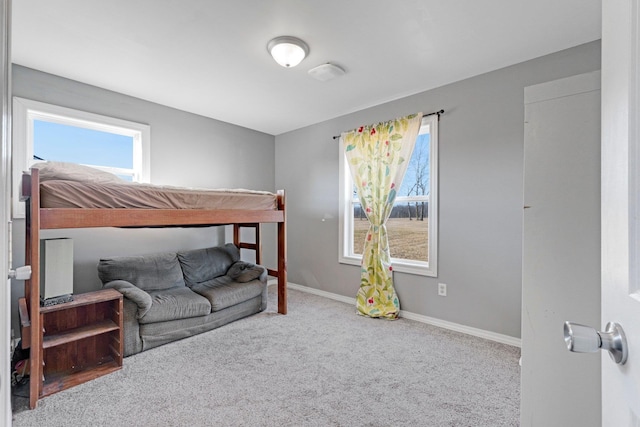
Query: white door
[621, 206]
[5, 176]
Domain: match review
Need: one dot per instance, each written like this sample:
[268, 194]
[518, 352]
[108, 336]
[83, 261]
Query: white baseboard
[481, 333]
[321, 293]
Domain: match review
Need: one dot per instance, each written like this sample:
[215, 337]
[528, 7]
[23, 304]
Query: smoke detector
[326, 72]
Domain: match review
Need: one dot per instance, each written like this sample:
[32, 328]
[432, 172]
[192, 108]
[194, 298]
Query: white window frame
[26, 111]
[346, 255]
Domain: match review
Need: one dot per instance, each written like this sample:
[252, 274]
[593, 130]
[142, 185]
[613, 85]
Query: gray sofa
[169, 296]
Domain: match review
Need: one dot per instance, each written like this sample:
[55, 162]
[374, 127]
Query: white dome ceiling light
[288, 51]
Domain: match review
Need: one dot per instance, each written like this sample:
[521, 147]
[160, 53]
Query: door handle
[585, 339]
[21, 273]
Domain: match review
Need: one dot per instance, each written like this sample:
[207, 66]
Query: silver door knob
[585, 339]
[21, 273]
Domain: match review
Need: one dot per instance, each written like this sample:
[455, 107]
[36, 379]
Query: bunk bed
[44, 211]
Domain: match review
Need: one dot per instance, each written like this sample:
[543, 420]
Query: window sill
[398, 266]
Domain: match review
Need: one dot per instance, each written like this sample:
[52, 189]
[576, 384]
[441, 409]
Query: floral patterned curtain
[378, 156]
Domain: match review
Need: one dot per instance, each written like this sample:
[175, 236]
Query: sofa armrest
[242, 271]
[131, 328]
[128, 290]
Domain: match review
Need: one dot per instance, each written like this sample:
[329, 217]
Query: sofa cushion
[174, 304]
[223, 292]
[149, 272]
[155, 334]
[202, 265]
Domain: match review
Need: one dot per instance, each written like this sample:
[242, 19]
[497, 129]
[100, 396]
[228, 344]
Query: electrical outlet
[442, 289]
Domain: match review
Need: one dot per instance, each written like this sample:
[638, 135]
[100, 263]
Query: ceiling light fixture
[288, 51]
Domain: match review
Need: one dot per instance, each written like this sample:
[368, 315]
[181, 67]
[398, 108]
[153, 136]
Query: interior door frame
[5, 250]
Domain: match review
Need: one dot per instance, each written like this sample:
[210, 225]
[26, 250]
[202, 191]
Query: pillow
[74, 172]
[242, 271]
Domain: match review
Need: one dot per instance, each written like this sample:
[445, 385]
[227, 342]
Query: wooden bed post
[236, 235]
[258, 243]
[32, 288]
[282, 256]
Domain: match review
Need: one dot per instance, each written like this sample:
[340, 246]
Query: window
[412, 227]
[45, 132]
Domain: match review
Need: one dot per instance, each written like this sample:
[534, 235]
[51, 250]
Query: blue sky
[422, 143]
[57, 142]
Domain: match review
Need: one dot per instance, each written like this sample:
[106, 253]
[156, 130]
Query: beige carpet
[320, 365]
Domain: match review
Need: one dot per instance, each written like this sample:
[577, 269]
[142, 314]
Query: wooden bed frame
[37, 218]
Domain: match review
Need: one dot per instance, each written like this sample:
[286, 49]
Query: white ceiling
[209, 57]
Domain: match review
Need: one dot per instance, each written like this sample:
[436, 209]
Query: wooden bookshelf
[81, 340]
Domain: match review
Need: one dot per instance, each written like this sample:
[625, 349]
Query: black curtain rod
[424, 115]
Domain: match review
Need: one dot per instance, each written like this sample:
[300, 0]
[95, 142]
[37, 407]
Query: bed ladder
[257, 246]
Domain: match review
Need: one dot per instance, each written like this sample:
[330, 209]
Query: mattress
[75, 186]
[72, 194]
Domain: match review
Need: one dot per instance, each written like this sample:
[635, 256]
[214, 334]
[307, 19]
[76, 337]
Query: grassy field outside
[407, 239]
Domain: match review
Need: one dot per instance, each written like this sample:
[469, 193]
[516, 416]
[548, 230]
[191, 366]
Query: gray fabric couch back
[202, 265]
[149, 272]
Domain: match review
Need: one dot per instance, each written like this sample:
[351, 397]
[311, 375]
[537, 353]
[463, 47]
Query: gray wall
[186, 150]
[481, 198]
